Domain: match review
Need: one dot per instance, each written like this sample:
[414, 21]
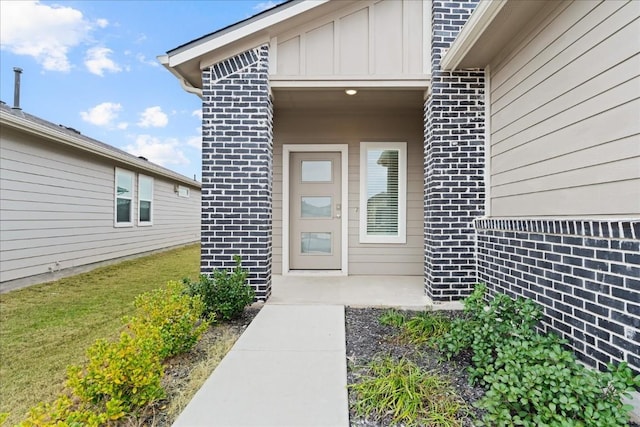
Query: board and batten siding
[565, 114]
[366, 38]
[339, 127]
[57, 210]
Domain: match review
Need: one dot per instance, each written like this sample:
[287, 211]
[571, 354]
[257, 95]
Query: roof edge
[481, 18]
[239, 30]
[42, 131]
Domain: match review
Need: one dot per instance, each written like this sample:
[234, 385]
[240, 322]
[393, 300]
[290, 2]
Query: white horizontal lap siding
[565, 114]
[345, 128]
[57, 211]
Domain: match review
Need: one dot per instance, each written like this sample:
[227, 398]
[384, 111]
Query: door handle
[338, 214]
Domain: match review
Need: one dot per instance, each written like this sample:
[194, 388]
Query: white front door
[315, 203]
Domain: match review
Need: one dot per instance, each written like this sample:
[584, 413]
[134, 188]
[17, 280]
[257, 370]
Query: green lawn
[45, 328]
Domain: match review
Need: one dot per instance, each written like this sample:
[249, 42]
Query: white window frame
[401, 237]
[129, 223]
[183, 191]
[140, 199]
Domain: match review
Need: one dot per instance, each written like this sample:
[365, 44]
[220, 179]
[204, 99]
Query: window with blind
[383, 192]
[145, 200]
[123, 198]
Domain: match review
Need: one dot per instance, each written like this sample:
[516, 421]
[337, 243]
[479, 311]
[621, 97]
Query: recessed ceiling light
[350, 92]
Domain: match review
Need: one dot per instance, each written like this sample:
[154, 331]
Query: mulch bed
[367, 340]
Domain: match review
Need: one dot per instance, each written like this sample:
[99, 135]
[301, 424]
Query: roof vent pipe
[16, 88]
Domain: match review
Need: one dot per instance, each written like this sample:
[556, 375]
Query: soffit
[491, 28]
[336, 100]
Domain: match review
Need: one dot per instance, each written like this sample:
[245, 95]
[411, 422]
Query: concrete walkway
[288, 369]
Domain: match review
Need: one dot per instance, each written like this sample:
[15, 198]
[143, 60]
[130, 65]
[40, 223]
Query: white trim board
[287, 149]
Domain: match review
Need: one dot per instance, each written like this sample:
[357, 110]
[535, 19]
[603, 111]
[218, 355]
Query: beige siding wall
[313, 127]
[565, 114]
[57, 211]
[368, 38]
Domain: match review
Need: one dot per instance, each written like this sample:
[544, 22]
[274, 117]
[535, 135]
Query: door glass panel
[315, 207]
[316, 171]
[316, 243]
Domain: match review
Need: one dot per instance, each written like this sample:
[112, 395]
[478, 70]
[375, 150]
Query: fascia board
[242, 31]
[478, 22]
[41, 131]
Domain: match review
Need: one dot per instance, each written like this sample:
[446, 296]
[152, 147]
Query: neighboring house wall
[454, 188]
[565, 144]
[237, 165]
[57, 211]
[343, 127]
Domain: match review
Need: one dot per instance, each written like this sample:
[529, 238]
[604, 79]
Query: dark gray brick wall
[454, 162]
[237, 167]
[586, 275]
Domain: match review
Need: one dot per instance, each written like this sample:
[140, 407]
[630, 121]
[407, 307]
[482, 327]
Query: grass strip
[44, 328]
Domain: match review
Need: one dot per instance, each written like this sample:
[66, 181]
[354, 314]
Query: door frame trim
[343, 149]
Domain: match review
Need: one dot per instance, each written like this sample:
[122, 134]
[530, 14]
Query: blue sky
[91, 65]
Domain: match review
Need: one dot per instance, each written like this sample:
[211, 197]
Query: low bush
[531, 379]
[124, 375]
[64, 412]
[226, 294]
[406, 393]
[175, 315]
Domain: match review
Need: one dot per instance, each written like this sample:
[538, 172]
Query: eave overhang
[491, 27]
[186, 61]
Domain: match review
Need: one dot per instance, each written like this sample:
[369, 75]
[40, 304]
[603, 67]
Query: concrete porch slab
[405, 292]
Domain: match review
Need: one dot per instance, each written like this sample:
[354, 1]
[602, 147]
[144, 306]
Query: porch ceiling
[337, 99]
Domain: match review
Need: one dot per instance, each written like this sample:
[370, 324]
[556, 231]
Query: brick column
[237, 167]
[453, 162]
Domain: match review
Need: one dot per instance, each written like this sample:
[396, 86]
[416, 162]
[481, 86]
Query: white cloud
[102, 23]
[44, 32]
[97, 61]
[197, 113]
[102, 114]
[143, 59]
[163, 152]
[153, 117]
[264, 5]
[122, 125]
[195, 142]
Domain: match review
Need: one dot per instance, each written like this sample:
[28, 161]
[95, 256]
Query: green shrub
[175, 315]
[408, 394]
[122, 375]
[531, 379]
[226, 294]
[537, 382]
[483, 327]
[65, 412]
